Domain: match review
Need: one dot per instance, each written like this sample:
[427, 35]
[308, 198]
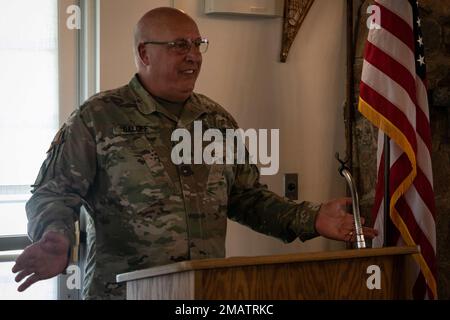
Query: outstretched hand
[42, 260]
[335, 223]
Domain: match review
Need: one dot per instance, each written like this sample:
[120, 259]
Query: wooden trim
[253, 261]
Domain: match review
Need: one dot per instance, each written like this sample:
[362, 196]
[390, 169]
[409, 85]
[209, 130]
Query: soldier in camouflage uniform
[113, 156]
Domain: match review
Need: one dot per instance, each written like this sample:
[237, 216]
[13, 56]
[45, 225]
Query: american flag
[393, 97]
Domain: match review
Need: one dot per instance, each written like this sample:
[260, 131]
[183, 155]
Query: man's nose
[194, 54]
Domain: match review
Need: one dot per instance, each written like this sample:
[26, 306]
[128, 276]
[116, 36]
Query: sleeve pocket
[49, 162]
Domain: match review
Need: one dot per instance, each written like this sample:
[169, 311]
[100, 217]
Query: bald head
[163, 70]
[150, 25]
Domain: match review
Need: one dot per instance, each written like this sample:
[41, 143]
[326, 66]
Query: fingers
[23, 274]
[349, 237]
[344, 201]
[370, 232]
[23, 261]
[37, 263]
[25, 266]
[16, 268]
[34, 278]
[349, 221]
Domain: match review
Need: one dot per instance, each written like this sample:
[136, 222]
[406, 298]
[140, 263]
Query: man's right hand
[42, 260]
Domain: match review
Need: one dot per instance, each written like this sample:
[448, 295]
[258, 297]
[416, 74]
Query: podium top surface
[191, 265]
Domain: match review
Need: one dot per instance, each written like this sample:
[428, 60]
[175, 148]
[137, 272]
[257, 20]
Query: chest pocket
[219, 182]
[221, 175]
[135, 171]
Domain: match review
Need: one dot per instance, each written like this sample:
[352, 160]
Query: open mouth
[189, 72]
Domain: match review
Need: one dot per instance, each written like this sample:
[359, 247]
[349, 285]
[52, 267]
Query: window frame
[78, 74]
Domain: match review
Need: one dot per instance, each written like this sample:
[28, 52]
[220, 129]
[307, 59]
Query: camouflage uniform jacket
[113, 157]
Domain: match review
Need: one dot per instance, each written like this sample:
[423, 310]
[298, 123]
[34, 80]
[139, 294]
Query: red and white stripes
[393, 97]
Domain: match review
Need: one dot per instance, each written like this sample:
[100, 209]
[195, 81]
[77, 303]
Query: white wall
[117, 21]
[303, 98]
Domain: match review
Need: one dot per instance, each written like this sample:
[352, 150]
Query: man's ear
[143, 56]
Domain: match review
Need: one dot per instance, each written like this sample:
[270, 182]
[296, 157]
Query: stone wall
[435, 15]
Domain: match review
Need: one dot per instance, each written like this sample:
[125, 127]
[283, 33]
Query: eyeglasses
[183, 46]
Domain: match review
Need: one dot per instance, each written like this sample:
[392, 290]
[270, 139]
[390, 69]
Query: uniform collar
[146, 104]
[191, 112]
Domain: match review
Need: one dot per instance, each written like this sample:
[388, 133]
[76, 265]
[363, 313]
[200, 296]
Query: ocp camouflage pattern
[112, 157]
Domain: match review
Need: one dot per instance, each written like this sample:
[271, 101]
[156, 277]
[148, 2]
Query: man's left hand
[333, 222]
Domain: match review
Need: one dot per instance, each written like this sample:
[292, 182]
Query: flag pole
[387, 199]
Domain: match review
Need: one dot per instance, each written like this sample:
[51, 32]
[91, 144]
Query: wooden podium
[322, 275]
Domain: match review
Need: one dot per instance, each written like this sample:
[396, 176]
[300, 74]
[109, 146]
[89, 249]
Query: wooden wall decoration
[295, 12]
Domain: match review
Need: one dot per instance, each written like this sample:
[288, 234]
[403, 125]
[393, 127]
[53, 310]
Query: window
[46, 70]
[28, 121]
